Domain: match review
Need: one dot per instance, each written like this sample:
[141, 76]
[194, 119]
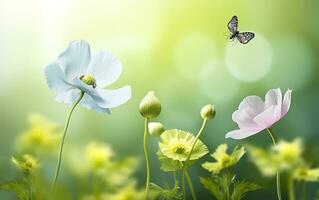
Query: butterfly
[242, 37]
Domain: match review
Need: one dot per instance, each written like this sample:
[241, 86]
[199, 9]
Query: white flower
[76, 71]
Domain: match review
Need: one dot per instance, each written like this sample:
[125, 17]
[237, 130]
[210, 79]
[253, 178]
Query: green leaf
[242, 188]
[17, 187]
[166, 193]
[213, 186]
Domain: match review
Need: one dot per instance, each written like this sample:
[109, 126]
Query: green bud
[155, 128]
[208, 112]
[150, 106]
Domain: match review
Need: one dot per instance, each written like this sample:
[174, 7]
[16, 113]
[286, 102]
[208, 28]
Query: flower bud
[150, 106]
[208, 112]
[155, 128]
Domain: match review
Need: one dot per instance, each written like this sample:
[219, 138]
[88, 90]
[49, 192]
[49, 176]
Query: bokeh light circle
[292, 64]
[249, 62]
[217, 83]
[191, 52]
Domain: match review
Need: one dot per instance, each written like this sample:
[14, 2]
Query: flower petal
[286, 103]
[273, 97]
[89, 103]
[253, 105]
[113, 98]
[243, 119]
[75, 59]
[68, 97]
[242, 133]
[55, 78]
[105, 68]
[270, 116]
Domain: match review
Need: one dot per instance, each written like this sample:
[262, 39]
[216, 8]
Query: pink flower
[254, 115]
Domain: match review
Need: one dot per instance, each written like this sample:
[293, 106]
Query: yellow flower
[26, 163]
[264, 160]
[223, 159]
[288, 154]
[98, 155]
[282, 157]
[128, 193]
[176, 144]
[42, 136]
[306, 174]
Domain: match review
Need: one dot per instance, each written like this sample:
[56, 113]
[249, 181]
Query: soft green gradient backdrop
[177, 48]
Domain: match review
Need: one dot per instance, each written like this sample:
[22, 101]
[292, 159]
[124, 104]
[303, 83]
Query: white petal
[242, 133]
[113, 98]
[253, 105]
[75, 59]
[105, 68]
[55, 78]
[273, 97]
[88, 89]
[243, 119]
[286, 103]
[68, 97]
[89, 103]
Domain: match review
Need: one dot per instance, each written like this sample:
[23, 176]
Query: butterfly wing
[233, 24]
[245, 37]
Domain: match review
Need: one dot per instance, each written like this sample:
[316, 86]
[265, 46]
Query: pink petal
[270, 116]
[243, 120]
[273, 97]
[253, 105]
[286, 103]
[242, 133]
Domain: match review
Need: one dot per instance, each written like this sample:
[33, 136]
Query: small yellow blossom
[223, 159]
[42, 136]
[26, 163]
[128, 193]
[306, 174]
[176, 144]
[98, 155]
[288, 154]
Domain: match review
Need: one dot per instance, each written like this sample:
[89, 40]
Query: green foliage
[242, 188]
[16, 186]
[166, 193]
[225, 187]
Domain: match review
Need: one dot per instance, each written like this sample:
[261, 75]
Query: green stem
[190, 185]
[183, 184]
[304, 191]
[175, 178]
[28, 184]
[147, 159]
[189, 155]
[291, 188]
[63, 139]
[271, 134]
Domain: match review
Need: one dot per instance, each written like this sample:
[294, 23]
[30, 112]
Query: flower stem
[291, 188]
[190, 185]
[188, 157]
[175, 178]
[63, 139]
[271, 134]
[304, 191]
[147, 159]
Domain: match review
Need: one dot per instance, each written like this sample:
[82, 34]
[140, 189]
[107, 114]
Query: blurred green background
[180, 50]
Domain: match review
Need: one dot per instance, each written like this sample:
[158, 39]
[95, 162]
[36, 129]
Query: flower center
[89, 80]
[178, 148]
[225, 160]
